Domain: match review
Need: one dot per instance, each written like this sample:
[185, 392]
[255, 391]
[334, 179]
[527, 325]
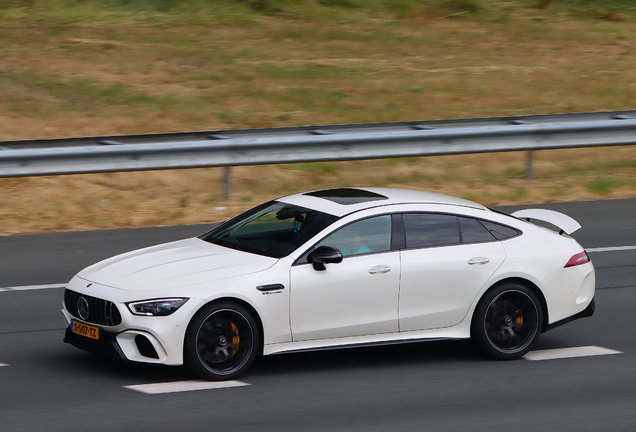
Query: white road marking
[611, 249]
[33, 287]
[561, 353]
[183, 386]
[3, 364]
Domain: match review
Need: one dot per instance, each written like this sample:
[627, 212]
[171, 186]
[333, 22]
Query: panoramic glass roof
[347, 196]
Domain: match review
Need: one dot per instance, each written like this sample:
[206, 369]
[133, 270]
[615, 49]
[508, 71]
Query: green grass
[239, 10]
[519, 194]
[605, 185]
[318, 168]
[55, 92]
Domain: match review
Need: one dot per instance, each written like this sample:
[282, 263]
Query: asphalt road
[46, 385]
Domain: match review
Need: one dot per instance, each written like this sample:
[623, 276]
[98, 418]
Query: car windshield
[273, 229]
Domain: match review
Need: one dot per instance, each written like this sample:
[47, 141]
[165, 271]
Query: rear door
[447, 261]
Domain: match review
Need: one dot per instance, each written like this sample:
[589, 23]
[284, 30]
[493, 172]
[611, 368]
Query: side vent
[145, 347]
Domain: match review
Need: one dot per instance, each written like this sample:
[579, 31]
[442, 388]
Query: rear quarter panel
[539, 255]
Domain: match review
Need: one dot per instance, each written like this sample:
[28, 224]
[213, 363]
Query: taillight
[578, 259]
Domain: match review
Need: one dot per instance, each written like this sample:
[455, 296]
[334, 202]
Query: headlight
[159, 307]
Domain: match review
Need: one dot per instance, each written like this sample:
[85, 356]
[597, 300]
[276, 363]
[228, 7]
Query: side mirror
[324, 255]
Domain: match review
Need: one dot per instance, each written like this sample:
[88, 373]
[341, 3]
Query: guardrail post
[227, 180]
[529, 167]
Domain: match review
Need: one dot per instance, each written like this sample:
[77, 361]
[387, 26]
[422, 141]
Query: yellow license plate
[85, 330]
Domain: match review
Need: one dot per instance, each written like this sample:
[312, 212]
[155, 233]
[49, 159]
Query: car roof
[343, 201]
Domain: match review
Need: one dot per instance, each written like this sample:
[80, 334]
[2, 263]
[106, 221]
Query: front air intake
[145, 347]
[94, 310]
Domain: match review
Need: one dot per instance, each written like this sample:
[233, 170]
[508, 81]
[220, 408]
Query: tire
[507, 322]
[221, 342]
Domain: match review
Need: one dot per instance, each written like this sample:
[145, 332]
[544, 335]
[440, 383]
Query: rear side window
[473, 231]
[501, 232]
[428, 229]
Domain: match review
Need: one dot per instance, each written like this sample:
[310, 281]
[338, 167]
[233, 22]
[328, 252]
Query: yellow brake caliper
[519, 319]
[235, 339]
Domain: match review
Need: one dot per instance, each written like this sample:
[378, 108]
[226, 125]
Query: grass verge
[71, 68]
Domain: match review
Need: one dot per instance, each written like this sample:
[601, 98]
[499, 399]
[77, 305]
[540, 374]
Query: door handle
[380, 269]
[478, 260]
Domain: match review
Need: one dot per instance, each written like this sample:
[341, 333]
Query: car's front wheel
[222, 341]
[507, 322]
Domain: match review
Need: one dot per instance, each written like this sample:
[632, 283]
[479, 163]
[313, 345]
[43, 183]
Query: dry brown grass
[83, 75]
[93, 201]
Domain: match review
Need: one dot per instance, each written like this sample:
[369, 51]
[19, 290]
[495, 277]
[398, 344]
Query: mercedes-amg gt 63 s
[335, 268]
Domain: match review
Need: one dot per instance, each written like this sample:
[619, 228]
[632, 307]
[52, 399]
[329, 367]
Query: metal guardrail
[319, 143]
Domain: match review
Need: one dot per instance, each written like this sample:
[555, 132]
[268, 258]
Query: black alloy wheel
[222, 341]
[507, 322]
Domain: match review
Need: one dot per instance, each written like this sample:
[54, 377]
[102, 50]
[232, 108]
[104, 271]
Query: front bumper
[106, 344]
[130, 342]
[129, 345]
[145, 339]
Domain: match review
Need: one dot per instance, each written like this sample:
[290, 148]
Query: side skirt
[361, 345]
[457, 332]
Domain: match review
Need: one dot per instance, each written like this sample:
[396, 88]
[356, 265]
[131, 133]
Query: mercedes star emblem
[82, 308]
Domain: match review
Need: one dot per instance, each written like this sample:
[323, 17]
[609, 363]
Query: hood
[173, 265]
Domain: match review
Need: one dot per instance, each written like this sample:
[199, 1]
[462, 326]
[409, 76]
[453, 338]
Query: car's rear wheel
[507, 322]
[222, 341]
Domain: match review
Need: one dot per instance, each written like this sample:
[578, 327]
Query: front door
[356, 297]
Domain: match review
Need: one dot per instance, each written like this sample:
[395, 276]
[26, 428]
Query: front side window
[273, 229]
[366, 236]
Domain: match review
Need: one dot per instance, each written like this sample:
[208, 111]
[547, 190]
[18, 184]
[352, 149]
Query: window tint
[473, 231]
[501, 232]
[426, 230]
[273, 229]
[365, 236]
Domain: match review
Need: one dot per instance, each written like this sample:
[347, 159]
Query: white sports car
[335, 268]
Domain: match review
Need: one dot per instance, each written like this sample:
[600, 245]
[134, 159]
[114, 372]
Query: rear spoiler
[564, 222]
